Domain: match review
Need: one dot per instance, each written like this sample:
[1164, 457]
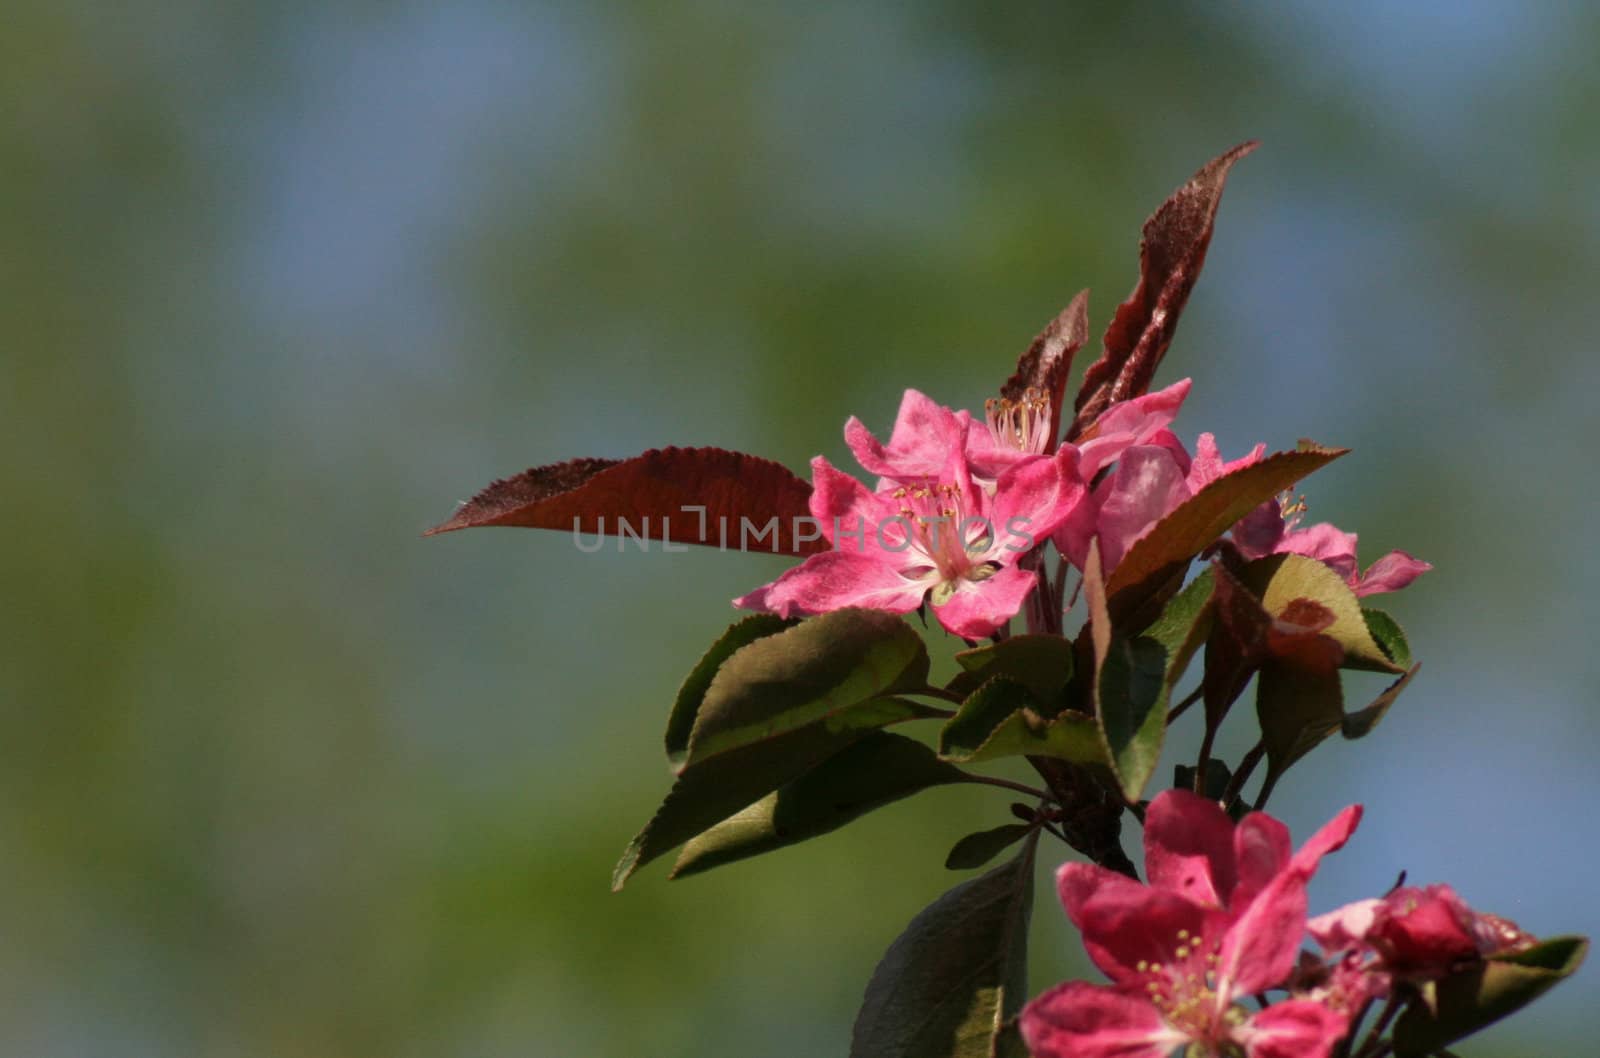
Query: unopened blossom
[1418, 933]
[944, 541]
[1221, 920]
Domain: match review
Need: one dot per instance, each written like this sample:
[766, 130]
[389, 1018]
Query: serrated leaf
[1281, 580]
[950, 982]
[1047, 362]
[1171, 252]
[812, 673]
[1041, 663]
[708, 792]
[656, 496]
[1476, 998]
[877, 770]
[1002, 719]
[1389, 636]
[1196, 523]
[979, 848]
[687, 705]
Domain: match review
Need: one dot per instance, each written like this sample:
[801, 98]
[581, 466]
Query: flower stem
[1374, 1045]
[1247, 764]
[1007, 784]
[939, 692]
[1179, 709]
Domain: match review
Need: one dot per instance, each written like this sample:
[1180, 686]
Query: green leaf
[815, 672]
[977, 849]
[1478, 997]
[1197, 523]
[1362, 721]
[950, 982]
[877, 770]
[1388, 634]
[1001, 719]
[1298, 708]
[707, 792]
[1130, 699]
[1134, 677]
[1279, 580]
[693, 692]
[1041, 663]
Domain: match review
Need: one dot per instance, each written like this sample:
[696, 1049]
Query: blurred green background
[282, 283]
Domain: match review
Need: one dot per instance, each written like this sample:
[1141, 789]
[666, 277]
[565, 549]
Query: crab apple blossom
[1274, 528]
[946, 541]
[1221, 919]
[1418, 933]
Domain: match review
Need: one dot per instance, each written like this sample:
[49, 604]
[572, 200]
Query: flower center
[943, 537]
[1021, 424]
[1291, 509]
[1184, 991]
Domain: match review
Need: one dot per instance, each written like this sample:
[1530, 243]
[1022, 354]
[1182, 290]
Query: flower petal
[1128, 423]
[1209, 465]
[1390, 573]
[979, 607]
[1081, 1020]
[834, 580]
[840, 502]
[1147, 484]
[1326, 543]
[1260, 947]
[924, 431]
[1261, 852]
[1346, 928]
[1330, 838]
[1036, 497]
[1293, 1028]
[1125, 924]
[1189, 846]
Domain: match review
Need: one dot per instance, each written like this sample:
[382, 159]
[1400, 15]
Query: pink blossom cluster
[1195, 955]
[963, 505]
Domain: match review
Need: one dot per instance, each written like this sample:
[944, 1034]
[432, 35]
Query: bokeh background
[282, 283]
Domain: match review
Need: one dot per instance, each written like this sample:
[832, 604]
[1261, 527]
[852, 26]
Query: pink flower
[945, 541]
[1273, 528]
[1221, 919]
[1150, 480]
[1012, 432]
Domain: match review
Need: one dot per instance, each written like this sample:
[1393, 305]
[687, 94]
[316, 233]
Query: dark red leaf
[1170, 255]
[656, 496]
[1237, 644]
[1048, 361]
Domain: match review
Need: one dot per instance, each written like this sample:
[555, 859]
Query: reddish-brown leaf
[1236, 646]
[656, 496]
[1048, 361]
[1170, 256]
